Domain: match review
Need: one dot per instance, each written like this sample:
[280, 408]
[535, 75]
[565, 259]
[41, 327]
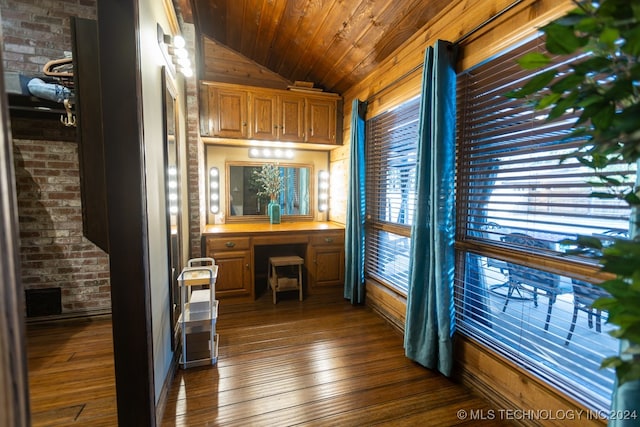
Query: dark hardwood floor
[318, 362]
[71, 373]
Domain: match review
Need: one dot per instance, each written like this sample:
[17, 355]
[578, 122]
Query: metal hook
[70, 120]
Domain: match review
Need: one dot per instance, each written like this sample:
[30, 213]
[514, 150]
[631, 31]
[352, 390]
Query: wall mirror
[243, 202]
[172, 195]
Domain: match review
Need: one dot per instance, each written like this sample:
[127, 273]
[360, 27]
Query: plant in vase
[603, 86]
[270, 183]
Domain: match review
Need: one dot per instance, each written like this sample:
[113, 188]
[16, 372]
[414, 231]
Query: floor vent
[43, 302]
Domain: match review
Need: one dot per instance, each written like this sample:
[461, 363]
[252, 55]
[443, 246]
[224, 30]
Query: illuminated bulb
[179, 42]
[214, 172]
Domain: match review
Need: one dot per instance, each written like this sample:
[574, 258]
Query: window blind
[391, 142]
[520, 194]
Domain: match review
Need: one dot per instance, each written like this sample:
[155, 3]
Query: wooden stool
[280, 283]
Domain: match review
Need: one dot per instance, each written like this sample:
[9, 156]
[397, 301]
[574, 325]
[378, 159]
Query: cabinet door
[229, 112]
[234, 274]
[321, 121]
[327, 267]
[264, 116]
[291, 118]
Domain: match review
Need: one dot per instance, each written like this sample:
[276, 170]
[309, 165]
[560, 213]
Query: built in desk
[241, 251]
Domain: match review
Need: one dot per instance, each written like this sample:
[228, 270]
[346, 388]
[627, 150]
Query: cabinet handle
[247, 265]
[244, 123]
[328, 239]
[230, 244]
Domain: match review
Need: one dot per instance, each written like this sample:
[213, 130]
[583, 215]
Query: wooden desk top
[267, 228]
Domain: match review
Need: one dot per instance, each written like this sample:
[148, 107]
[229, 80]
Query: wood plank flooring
[71, 373]
[318, 362]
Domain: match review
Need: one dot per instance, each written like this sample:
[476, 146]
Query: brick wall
[36, 32]
[195, 156]
[54, 253]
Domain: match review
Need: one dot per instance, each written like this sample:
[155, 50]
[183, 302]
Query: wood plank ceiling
[333, 43]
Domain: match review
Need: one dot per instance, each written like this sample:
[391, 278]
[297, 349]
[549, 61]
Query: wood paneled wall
[397, 80]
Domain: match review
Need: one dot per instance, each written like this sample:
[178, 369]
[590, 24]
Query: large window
[520, 195]
[390, 193]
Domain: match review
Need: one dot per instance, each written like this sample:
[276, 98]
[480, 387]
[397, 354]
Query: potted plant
[270, 185]
[604, 88]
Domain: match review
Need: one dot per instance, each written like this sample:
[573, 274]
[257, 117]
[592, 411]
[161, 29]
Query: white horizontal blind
[519, 195]
[391, 143]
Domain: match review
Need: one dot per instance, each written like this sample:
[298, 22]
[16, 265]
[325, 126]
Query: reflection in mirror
[172, 192]
[242, 190]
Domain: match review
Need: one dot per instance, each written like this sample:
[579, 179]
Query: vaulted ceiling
[333, 43]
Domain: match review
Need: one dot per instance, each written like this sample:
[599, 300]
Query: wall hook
[70, 120]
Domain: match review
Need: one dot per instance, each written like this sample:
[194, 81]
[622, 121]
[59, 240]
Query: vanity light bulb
[254, 152]
[214, 172]
[173, 184]
[323, 207]
[179, 42]
[215, 197]
[215, 209]
[181, 53]
[278, 153]
[266, 152]
[173, 196]
[214, 185]
[289, 154]
[187, 72]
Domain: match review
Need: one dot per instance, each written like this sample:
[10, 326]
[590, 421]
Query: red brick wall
[53, 251]
[36, 32]
[195, 156]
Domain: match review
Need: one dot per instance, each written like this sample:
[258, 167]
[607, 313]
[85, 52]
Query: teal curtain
[354, 233]
[430, 307]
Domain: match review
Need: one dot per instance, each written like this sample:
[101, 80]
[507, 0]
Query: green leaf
[548, 100]
[593, 64]
[561, 39]
[535, 84]
[609, 36]
[533, 60]
[570, 82]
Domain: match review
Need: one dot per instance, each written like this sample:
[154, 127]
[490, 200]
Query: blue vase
[274, 212]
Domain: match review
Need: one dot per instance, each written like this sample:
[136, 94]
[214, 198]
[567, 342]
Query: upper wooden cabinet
[227, 112]
[245, 112]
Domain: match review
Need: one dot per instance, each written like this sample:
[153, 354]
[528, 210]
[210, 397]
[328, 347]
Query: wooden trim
[118, 29]
[388, 304]
[14, 383]
[256, 229]
[171, 16]
[509, 387]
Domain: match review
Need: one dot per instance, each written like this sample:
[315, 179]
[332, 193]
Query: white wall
[151, 59]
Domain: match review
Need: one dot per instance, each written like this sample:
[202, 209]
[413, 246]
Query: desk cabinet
[233, 257]
[233, 247]
[325, 255]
